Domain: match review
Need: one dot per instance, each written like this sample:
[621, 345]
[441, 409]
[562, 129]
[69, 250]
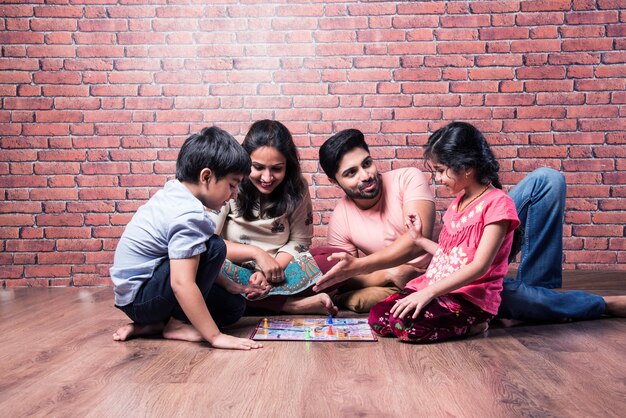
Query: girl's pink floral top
[459, 241]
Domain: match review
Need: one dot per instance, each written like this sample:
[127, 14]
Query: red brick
[495, 7]
[540, 112]
[16, 220]
[545, 6]
[544, 32]
[29, 245]
[46, 271]
[526, 125]
[461, 47]
[11, 272]
[537, 19]
[102, 193]
[600, 257]
[592, 17]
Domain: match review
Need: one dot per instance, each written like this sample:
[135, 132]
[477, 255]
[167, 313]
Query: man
[370, 219]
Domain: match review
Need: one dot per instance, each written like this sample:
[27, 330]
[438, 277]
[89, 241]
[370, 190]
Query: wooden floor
[57, 358]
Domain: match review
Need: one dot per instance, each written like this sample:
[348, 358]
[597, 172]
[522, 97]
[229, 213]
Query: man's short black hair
[335, 147]
[212, 148]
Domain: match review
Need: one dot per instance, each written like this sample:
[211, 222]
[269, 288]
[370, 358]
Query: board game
[313, 329]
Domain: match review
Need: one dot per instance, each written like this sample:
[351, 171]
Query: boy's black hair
[332, 151]
[212, 148]
[288, 194]
[460, 145]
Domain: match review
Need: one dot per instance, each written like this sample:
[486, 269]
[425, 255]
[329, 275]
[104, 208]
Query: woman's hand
[270, 268]
[415, 301]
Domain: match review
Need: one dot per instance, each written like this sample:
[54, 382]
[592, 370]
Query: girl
[268, 228]
[460, 292]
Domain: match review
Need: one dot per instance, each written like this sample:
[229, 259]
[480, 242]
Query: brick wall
[96, 96]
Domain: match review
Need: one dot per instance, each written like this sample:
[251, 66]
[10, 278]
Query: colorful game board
[313, 329]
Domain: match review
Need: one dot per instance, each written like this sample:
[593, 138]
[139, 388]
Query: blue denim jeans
[156, 302]
[540, 202]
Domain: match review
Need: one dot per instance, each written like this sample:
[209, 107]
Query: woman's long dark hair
[286, 196]
[459, 145]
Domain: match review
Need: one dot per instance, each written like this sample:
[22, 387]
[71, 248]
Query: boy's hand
[233, 343]
[258, 286]
[230, 286]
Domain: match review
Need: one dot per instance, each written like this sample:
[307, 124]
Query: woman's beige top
[290, 233]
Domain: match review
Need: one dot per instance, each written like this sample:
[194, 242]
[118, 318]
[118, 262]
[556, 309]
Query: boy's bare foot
[615, 306]
[129, 331]
[317, 304]
[178, 330]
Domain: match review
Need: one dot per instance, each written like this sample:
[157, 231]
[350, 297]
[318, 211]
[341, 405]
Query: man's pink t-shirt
[371, 230]
[459, 241]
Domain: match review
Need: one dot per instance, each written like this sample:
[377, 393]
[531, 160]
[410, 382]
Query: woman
[269, 227]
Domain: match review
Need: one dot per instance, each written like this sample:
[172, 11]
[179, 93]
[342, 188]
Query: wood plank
[58, 359]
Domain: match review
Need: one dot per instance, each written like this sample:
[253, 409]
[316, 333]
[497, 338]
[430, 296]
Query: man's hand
[347, 266]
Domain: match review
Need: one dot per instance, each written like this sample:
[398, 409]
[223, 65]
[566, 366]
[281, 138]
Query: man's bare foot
[178, 330]
[129, 331]
[478, 328]
[615, 306]
[509, 323]
[317, 304]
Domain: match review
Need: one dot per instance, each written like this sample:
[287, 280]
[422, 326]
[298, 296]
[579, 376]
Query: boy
[168, 259]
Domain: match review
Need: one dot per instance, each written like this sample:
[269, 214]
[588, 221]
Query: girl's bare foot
[178, 330]
[129, 331]
[615, 306]
[317, 304]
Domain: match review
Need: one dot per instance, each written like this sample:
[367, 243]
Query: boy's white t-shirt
[172, 224]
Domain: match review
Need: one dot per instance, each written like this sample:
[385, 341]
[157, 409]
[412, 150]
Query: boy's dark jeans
[156, 302]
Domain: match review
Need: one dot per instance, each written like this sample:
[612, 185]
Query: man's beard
[360, 194]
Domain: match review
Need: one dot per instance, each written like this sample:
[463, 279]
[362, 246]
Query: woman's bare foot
[615, 306]
[317, 304]
[178, 330]
[129, 331]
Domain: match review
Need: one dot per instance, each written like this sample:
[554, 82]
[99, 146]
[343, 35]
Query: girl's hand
[269, 267]
[415, 301]
[414, 226]
[258, 286]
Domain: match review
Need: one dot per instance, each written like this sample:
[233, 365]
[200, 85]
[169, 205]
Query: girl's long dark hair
[459, 145]
[286, 196]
